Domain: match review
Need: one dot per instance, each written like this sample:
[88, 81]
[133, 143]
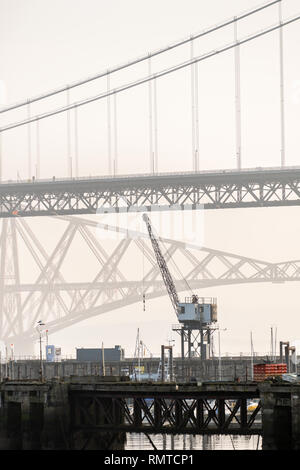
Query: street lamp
[39, 324]
[220, 368]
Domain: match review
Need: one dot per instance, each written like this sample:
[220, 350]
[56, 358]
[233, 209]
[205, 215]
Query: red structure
[263, 371]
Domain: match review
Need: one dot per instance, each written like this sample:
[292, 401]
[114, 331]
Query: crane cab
[197, 310]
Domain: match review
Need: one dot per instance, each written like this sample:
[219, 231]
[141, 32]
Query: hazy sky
[46, 44]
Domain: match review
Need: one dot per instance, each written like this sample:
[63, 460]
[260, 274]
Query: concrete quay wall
[40, 415]
[228, 369]
[37, 415]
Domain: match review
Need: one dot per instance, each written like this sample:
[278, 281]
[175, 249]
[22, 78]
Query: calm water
[188, 442]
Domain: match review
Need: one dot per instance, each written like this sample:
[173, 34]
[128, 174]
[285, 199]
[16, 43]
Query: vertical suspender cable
[237, 98]
[195, 111]
[109, 127]
[153, 145]
[69, 136]
[76, 140]
[196, 120]
[150, 120]
[37, 171]
[155, 127]
[29, 142]
[115, 136]
[193, 105]
[281, 88]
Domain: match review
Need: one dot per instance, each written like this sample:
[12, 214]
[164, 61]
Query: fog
[47, 44]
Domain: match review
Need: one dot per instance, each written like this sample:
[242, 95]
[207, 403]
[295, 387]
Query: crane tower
[195, 315]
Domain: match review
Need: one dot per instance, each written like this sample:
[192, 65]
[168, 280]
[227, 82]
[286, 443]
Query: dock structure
[96, 412]
[229, 369]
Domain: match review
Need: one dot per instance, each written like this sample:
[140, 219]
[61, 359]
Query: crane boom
[166, 275]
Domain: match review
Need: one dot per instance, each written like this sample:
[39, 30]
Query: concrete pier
[36, 416]
[276, 418]
[95, 412]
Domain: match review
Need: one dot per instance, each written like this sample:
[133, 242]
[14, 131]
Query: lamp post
[220, 368]
[103, 361]
[39, 324]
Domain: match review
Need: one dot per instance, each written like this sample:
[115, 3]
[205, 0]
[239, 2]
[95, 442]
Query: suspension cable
[153, 77]
[140, 59]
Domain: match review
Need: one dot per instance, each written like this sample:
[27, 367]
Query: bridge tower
[11, 319]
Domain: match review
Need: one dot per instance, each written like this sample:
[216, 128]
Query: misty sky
[46, 44]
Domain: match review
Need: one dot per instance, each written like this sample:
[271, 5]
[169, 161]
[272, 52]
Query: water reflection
[190, 442]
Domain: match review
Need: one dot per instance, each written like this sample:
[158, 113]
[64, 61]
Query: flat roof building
[95, 354]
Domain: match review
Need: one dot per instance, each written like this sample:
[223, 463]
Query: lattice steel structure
[164, 410]
[208, 189]
[50, 294]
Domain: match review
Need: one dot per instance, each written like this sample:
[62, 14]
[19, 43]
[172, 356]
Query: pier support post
[56, 418]
[276, 420]
[295, 405]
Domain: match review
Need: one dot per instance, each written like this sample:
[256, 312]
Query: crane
[196, 313]
[166, 275]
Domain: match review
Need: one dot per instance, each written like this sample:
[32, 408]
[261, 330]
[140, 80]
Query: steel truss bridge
[268, 187]
[164, 409]
[60, 302]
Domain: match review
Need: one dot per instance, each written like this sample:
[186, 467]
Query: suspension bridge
[61, 302]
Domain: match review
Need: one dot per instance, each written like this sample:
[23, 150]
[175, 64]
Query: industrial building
[95, 354]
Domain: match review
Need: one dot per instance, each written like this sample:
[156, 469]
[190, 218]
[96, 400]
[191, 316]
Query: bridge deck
[189, 190]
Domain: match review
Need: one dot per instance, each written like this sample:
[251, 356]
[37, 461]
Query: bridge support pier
[43, 416]
[56, 418]
[295, 408]
[277, 420]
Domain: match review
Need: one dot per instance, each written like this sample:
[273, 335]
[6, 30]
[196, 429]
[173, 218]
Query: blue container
[50, 353]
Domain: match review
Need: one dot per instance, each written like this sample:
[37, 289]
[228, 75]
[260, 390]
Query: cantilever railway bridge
[61, 302]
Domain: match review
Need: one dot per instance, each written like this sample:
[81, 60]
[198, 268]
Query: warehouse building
[95, 354]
